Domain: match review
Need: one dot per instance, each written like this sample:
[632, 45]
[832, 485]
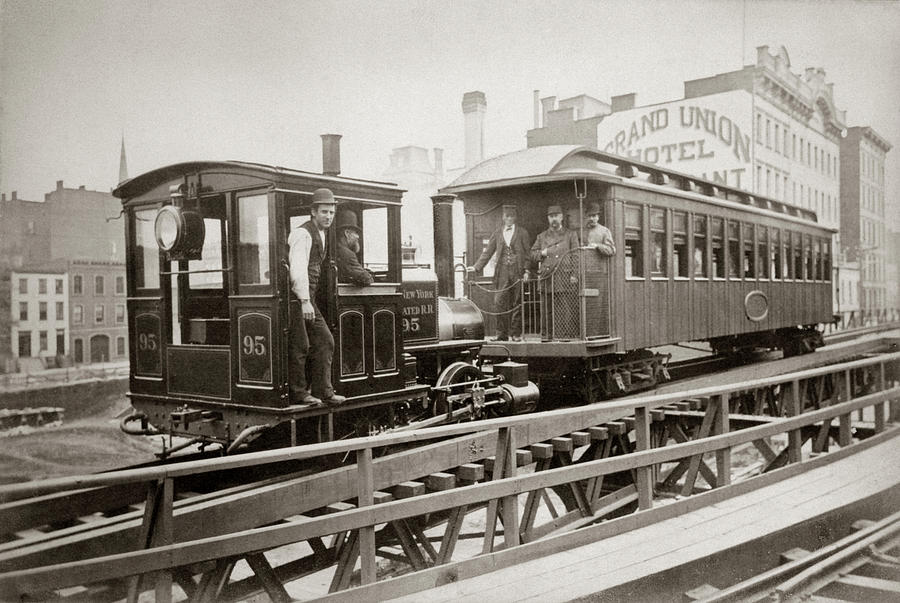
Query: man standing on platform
[311, 342]
[511, 243]
[558, 291]
[595, 234]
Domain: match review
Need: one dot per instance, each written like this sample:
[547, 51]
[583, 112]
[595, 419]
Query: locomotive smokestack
[442, 208]
[331, 154]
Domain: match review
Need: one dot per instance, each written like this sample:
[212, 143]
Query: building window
[758, 128]
[777, 138]
[60, 341]
[23, 285]
[98, 314]
[634, 249]
[79, 350]
[120, 346]
[42, 311]
[42, 340]
[768, 133]
[77, 284]
[42, 286]
[120, 285]
[23, 311]
[24, 344]
[59, 286]
[98, 285]
[120, 314]
[60, 311]
[77, 314]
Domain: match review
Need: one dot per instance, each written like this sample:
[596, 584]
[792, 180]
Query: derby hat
[554, 209]
[323, 196]
[592, 208]
[347, 219]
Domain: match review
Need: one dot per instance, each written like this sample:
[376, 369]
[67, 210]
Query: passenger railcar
[695, 261]
[208, 307]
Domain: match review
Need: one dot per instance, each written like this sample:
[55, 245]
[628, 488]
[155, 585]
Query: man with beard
[349, 268]
[559, 312]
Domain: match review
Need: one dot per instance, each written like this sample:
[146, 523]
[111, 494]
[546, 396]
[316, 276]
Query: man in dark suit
[512, 244]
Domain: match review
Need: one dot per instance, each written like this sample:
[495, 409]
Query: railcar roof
[148, 180]
[557, 162]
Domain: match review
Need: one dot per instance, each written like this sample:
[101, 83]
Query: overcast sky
[259, 81]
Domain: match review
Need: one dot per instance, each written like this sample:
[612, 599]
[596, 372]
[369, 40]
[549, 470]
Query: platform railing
[869, 384]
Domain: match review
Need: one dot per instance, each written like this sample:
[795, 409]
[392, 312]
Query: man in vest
[512, 245]
[311, 343]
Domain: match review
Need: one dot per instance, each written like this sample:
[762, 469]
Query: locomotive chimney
[442, 208]
[474, 107]
[331, 154]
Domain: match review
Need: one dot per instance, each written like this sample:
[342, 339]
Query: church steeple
[123, 166]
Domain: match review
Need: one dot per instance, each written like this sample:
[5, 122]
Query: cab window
[253, 240]
[146, 251]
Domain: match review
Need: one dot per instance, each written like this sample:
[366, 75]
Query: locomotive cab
[209, 303]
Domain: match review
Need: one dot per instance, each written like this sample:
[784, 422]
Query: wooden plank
[642, 442]
[723, 456]
[470, 472]
[697, 460]
[542, 451]
[272, 585]
[562, 444]
[437, 482]
[523, 458]
[580, 438]
[408, 490]
[598, 433]
[365, 498]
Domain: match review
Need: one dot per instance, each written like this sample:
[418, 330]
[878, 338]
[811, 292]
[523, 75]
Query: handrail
[269, 537]
[596, 413]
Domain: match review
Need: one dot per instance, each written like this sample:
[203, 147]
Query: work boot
[300, 396]
[334, 400]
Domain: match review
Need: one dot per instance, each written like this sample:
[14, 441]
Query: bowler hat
[554, 209]
[510, 210]
[347, 219]
[323, 196]
[592, 208]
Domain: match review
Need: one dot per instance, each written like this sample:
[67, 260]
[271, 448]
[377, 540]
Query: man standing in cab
[311, 342]
[511, 243]
[349, 269]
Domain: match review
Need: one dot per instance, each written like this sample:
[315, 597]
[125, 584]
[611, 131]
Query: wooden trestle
[540, 478]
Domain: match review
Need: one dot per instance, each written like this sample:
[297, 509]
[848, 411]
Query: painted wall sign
[708, 136]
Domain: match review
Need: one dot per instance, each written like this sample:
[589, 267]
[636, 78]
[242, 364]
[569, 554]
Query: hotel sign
[708, 136]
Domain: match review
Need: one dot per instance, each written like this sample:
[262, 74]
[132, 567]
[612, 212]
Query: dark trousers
[506, 303]
[311, 349]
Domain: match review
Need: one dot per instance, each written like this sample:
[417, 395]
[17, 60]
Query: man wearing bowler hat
[558, 291]
[349, 268]
[511, 243]
[596, 235]
[311, 342]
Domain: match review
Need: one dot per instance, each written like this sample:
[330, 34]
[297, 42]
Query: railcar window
[253, 240]
[749, 263]
[798, 256]
[658, 237]
[826, 260]
[700, 246]
[718, 248]
[146, 252]
[734, 250]
[817, 253]
[808, 256]
[634, 248]
[776, 254]
[786, 256]
[375, 247]
[680, 256]
[210, 259]
[762, 252]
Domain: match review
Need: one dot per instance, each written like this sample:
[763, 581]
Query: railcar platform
[720, 544]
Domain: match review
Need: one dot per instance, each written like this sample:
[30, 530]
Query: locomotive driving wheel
[455, 373]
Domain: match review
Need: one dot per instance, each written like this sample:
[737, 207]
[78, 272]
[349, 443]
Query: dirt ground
[87, 441]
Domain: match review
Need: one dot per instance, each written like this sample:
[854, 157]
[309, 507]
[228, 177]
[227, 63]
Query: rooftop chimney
[537, 109]
[14, 196]
[439, 163]
[474, 107]
[331, 154]
[3, 197]
[549, 104]
[59, 185]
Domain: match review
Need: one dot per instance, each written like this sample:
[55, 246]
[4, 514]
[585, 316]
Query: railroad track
[863, 567]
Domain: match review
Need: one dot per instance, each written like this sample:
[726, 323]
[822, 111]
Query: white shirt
[508, 232]
[300, 244]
